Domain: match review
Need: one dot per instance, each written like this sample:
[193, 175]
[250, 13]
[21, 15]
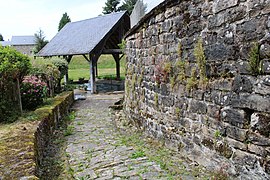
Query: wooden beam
[112, 51]
[86, 58]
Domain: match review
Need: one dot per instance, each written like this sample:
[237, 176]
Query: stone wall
[51, 119]
[198, 77]
[24, 49]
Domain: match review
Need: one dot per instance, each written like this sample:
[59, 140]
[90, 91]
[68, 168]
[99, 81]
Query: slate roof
[5, 43]
[23, 40]
[81, 37]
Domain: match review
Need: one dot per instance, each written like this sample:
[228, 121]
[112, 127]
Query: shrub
[7, 113]
[13, 64]
[33, 92]
[13, 67]
[48, 72]
[62, 66]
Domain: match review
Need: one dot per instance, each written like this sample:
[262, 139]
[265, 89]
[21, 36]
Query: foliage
[33, 91]
[48, 72]
[13, 64]
[61, 64]
[128, 5]
[13, 67]
[200, 60]
[40, 41]
[217, 134]
[122, 45]
[52, 69]
[254, 61]
[45, 69]
[69, 131]
[64, 20]
[111, 6]
[181, 65]
[7, 113]
[138, 154]
[162, 72]
[192, 81]
[1, 37]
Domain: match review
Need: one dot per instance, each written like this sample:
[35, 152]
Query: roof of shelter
[23, 40]
[83, 37]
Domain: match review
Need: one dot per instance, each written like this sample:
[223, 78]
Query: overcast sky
[26, 17]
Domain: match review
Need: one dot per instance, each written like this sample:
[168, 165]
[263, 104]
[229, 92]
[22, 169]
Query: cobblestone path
[94, 150]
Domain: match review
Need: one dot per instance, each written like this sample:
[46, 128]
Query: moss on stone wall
[18, 145]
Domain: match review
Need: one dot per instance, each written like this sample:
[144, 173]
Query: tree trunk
[19, 95]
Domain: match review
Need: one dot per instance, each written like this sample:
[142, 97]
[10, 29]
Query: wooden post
[117, 62]
[92, 80]
[68, 59]
[96, 70]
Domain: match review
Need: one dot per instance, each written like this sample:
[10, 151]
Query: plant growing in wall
[181, 66]
[162, 72]
[156, 99]
[255, 65]
[201, 61]
[192, 82]
[122, 45]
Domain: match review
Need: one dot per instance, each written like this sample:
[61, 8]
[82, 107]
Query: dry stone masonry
[198, 77]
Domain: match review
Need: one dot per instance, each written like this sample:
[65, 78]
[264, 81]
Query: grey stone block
[198, 107]
[236, 133]
[242, 84]
[235, 117]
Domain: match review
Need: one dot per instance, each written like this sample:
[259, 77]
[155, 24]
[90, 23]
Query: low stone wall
[198, 77]
[51, 117]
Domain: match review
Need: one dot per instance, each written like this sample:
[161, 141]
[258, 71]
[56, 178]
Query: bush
[13, 64]
[33, 92]
[51, 70]
[48, 72]
[7, 112]
[61, 64]
[13, 67]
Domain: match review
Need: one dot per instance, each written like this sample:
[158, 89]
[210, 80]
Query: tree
[64, 20]
[40, 41]
[1, 37]
[128, 5]
[111, 6]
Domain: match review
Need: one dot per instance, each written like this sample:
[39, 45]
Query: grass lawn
[79, 67]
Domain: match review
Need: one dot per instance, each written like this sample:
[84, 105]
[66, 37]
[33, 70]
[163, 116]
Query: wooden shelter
[90, 38]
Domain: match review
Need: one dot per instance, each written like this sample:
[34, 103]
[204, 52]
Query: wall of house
[189, 82]
[25, 49]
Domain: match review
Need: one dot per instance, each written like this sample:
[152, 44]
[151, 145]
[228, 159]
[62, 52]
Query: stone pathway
[94, 150]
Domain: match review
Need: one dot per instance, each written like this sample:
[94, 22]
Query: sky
[26, 17]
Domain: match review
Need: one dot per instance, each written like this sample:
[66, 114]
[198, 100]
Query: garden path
[94, 148]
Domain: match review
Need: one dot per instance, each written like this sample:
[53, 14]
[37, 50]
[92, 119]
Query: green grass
[138, 154]
[69, 131]
[79, 67]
